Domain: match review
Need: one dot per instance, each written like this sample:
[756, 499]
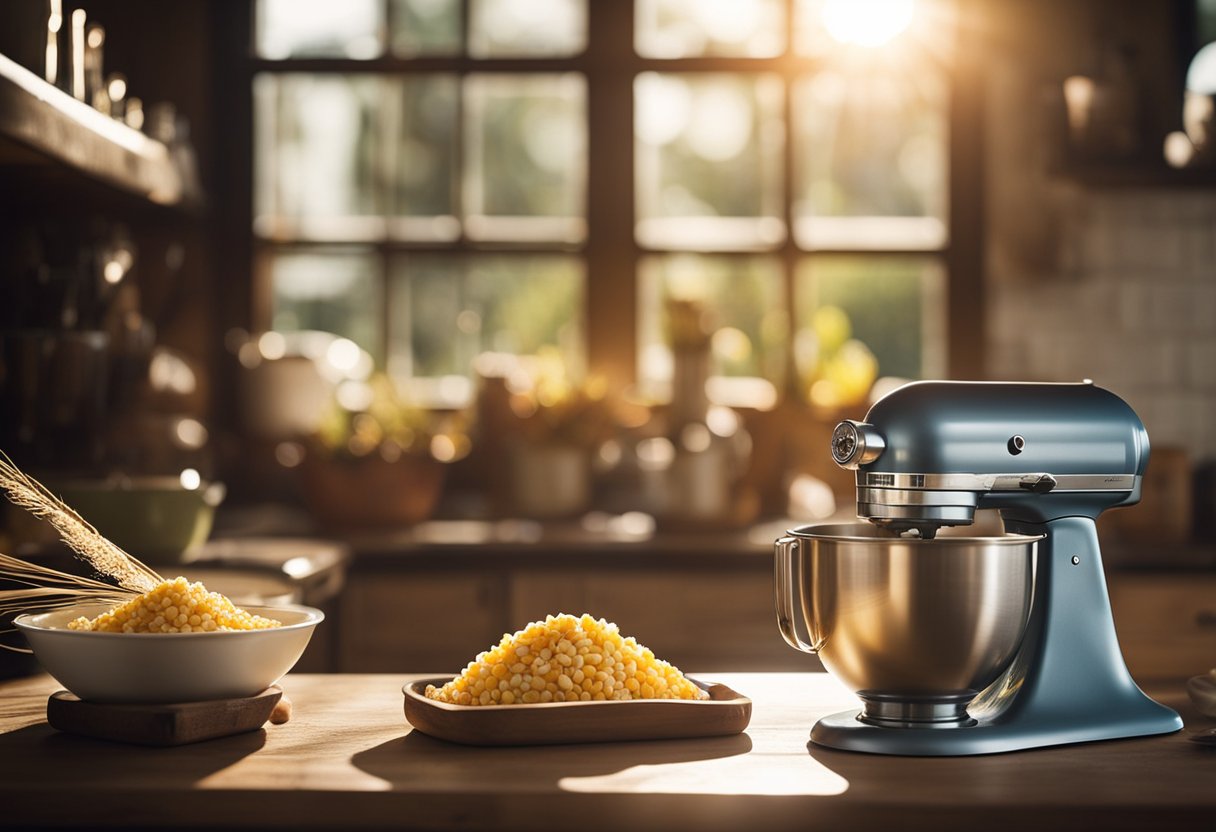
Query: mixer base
[846, 731]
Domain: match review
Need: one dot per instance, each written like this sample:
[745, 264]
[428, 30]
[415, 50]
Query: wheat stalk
[41, 587]
[45, 588]
[106, 558]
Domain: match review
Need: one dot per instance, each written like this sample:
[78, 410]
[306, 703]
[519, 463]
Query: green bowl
[156, 519]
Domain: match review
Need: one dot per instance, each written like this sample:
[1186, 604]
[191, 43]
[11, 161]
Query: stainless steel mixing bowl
[915, 627]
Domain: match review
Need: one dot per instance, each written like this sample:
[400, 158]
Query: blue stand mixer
[962, 644]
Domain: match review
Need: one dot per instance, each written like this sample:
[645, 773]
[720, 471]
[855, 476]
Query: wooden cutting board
[161, 725]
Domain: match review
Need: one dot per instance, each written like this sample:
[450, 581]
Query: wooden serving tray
[161, 725]
[555, 723]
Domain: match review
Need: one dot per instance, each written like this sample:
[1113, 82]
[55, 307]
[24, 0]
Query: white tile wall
[1130, 304]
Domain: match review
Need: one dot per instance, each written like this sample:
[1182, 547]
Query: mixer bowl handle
[790, 592]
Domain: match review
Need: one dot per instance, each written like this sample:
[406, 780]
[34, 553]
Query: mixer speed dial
[856, 443]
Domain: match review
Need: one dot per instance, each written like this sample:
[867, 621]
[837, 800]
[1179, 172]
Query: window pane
[871, 158]
[332, 290]
[319, 29]
[744, 314]
[862, 317]
[695, 28]
[316, 161]
[526, 160]
[448, 309]
[425, 27]
[527, 28]
[890, 31]
[709, 166]
[426, 158]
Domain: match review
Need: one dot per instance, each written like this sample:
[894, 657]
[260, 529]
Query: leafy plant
[559, 410]
[386, 424]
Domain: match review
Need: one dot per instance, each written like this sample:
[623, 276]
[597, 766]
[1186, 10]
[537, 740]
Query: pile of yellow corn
[565, 659]
[175, 606]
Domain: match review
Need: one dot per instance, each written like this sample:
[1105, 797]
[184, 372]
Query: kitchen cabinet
[1166, 622]
[703, 602]
[705, 619]
[699, 617]
[431, 620]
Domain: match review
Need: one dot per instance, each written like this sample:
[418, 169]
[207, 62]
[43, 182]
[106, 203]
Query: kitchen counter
[630, 538]
[347, 759]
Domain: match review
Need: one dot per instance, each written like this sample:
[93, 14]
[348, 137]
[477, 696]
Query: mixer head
[930, 454]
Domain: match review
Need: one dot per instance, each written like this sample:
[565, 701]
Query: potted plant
[556, 427]
[382, 462]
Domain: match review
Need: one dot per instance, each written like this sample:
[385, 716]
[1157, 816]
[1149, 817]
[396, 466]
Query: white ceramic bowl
[133, 668]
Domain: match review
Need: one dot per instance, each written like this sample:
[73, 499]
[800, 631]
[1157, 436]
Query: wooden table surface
[348, 760]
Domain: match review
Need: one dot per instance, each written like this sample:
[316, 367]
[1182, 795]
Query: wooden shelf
[1137, 174]
[41, 124]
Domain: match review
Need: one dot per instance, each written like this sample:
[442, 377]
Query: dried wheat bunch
[44, 588]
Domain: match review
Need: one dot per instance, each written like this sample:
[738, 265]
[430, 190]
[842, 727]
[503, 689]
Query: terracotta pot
[550, 481]
[371, 492]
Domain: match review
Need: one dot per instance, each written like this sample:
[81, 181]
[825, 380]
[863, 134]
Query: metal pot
[915, 627]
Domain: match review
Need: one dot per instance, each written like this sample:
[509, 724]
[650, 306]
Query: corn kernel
[175, 606]
[566, 658]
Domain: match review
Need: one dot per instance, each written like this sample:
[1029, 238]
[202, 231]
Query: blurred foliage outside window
[434, 216]
[856, 162]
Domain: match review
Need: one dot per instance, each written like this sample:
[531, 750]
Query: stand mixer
[963, 645]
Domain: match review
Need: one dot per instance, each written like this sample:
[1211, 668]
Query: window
[547, 176]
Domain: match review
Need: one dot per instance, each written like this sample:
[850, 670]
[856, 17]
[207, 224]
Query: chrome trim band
[926, 514]
[889, 711]
[910, 497]
[993, 482]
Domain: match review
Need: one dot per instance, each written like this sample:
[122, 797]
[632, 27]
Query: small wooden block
[161, 725]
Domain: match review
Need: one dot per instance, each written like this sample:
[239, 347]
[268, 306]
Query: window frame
[610, 250]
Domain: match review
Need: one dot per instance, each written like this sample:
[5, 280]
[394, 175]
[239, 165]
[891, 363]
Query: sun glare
[867, 22]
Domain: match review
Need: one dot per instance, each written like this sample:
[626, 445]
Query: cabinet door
[419, 623]
[1166, 624]
[535, 593]
[700, 621]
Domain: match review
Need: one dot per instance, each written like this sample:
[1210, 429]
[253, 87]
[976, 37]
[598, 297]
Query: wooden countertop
[347, 759]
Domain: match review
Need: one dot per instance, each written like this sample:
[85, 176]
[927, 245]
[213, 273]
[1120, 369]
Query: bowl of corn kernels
[176, 643]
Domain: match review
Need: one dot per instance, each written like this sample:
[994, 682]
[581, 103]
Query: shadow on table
[418, 762]
[40, 755]
[1047, 774]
